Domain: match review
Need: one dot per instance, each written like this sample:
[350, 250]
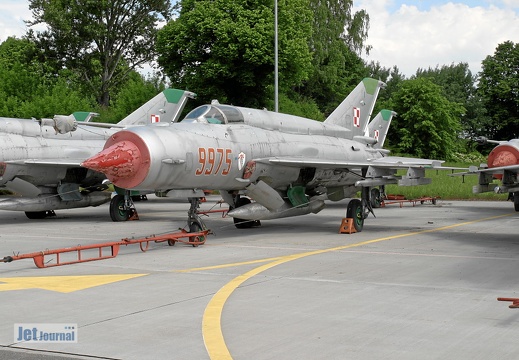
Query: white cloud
[442, 34]
[12, 16]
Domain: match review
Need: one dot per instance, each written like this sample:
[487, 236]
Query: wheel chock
[347, 226]
[133, 215]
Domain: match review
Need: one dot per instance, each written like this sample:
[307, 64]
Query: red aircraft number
[214, 161]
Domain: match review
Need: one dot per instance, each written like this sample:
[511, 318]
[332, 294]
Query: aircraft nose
[503, 155]
[123, 162]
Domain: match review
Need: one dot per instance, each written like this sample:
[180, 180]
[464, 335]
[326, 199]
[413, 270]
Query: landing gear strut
[194, 222]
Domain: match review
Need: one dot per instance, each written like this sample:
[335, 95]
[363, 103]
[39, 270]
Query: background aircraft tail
[355, 111]
[379, 126]
[165, 107]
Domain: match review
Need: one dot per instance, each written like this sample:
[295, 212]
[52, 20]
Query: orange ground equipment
[107, 250]
[400, 199]
[347, 226]
[515, 302]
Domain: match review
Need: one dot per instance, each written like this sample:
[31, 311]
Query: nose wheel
[122, 208]
[194, 221]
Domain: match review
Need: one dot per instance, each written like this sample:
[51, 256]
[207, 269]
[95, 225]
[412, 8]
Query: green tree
[427, 124]
[459, 86]
[499, 88]
[29, 88]
[338, 37]
[101, 40]
[225, 48]
[393, 79]
[299, 106]
[20, 68]
[135, 92]
[59, 98]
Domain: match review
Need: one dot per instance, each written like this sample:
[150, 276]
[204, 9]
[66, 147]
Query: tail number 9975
[214, 161]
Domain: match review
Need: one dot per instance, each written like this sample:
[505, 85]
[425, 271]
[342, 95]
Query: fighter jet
[266, 165]
[503, 164]
[40, 159]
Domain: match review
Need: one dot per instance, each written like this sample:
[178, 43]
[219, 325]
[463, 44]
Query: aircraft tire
[516, 201]
[376, 201]
[242, 223]
[355, 212]
[36, 214]
[195, 227]
[117, 212]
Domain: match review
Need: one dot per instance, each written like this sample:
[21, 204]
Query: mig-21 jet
[40, 159]
[266, 165]
[503, 164]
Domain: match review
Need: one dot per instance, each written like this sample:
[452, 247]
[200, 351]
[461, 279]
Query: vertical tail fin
[355, 111]
[165, 107]
[379, 126]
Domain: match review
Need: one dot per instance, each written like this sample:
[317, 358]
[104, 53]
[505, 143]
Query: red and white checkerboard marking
[356, 117]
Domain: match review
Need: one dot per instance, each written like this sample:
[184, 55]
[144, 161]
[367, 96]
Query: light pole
[276, 99]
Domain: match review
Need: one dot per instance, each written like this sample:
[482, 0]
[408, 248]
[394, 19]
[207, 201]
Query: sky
[408, 34]
[430, 33]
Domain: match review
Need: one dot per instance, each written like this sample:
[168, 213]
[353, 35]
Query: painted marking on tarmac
[63, 284]
[223, 266]
[211, 322]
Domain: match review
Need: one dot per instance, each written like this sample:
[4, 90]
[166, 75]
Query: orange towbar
[106, 250]
[515, 302]
[400, 199]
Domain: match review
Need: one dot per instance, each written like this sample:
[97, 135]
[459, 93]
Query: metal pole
[276, 99]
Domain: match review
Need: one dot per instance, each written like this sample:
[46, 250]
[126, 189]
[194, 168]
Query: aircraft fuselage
[26, 141]
[216, 156]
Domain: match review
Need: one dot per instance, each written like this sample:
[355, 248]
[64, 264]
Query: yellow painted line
[211, 322]
[63, 284]
[223, 266]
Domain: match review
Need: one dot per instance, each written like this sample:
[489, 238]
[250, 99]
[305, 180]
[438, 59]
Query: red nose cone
[125, 160]
[503, 155]
[118, 160]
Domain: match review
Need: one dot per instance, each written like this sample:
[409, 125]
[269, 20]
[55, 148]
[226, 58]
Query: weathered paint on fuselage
[25, 140]
[207, 156]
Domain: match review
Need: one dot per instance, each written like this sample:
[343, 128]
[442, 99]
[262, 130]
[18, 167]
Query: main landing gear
[359, 209]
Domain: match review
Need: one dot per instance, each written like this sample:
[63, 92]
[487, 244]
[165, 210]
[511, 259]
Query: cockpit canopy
[215, 114]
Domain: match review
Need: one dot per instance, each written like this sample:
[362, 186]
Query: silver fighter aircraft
[503, 164]
[40, 159]
[266, 165]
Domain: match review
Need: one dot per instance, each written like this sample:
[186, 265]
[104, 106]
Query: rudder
[355, 110]
[164, 107]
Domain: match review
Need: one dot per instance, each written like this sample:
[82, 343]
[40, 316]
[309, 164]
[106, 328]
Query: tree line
[89, 54]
